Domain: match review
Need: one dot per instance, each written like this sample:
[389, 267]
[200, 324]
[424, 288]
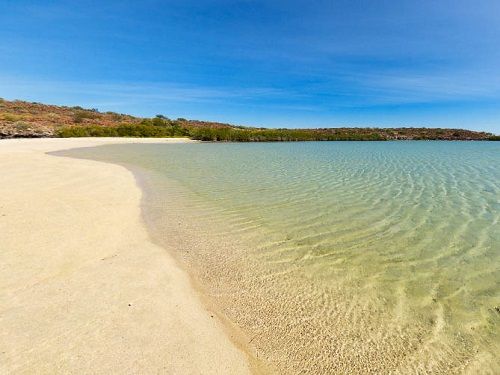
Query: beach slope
[83, 288]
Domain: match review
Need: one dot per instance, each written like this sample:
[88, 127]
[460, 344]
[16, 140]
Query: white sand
[82, 288]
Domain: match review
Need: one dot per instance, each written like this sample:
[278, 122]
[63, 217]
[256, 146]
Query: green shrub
[276, 135]
[10, 117]
[159, 121]
[79, 116]
[124, 130]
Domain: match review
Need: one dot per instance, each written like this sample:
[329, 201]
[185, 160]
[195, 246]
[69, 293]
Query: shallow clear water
[345, 257]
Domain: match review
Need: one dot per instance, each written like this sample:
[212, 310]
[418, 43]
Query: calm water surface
[340, 257]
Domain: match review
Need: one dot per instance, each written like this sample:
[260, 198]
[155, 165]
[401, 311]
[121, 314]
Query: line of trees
[210, 134]
[277, 135]
[157, 127]
[161, 126]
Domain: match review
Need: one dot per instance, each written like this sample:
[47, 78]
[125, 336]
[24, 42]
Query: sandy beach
[83, 288]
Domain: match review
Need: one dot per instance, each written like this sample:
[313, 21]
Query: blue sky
[270, 63]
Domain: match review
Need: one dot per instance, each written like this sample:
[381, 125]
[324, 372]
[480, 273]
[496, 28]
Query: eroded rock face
[25, 131]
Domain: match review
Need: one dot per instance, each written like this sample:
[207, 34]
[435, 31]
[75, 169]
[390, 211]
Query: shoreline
[252, 274]
[79, 296]
[239, 338]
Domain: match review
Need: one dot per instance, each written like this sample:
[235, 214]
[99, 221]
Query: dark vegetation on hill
[19, 119]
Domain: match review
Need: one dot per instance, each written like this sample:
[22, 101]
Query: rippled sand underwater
[337, 257]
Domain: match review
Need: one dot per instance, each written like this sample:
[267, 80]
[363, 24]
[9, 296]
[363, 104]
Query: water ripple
[338, 257]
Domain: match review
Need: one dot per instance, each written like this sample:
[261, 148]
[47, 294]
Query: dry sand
[82, 287]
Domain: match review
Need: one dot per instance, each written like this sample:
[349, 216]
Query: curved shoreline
[193, 209]
[157, 236]
[79, 296]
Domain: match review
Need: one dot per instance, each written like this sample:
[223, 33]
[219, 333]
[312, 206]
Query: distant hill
[20, 119]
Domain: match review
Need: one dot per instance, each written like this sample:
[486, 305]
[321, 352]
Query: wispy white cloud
[138, 91]
[431, 87]
[116, 94]
[343, 90]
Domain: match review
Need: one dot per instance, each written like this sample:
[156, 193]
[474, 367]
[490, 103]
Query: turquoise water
[343, 257]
